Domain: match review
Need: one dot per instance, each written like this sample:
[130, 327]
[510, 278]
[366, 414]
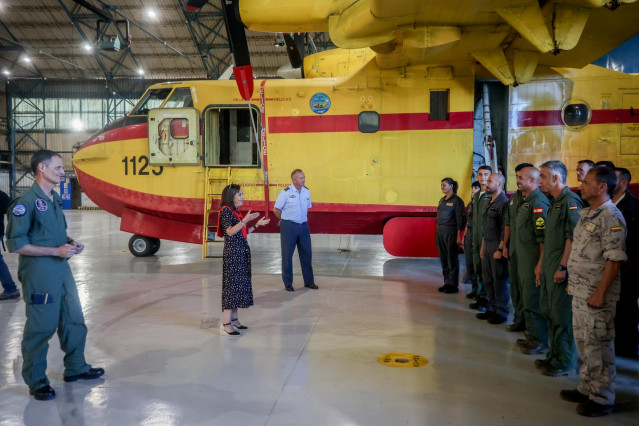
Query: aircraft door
[630, 129]
[174, 136]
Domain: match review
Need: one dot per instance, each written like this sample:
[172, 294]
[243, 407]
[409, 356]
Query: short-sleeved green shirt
[511, 218]
[563, 215]
[531, 224]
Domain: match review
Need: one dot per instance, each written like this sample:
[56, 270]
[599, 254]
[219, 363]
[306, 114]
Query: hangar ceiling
[59, 39]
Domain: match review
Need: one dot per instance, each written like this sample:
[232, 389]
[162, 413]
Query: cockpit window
[152, 99]
[180, 98]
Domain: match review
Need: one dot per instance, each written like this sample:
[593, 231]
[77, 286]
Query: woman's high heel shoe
[223, 330]
[238, 327]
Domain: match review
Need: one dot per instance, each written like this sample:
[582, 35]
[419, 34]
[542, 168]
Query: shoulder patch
[538, 210]
[287, 188]
[19, 210]
[41, 205]
[616, 228]
[540, 223]
[572, 208]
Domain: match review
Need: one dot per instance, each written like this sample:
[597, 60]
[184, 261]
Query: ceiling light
[151, 13]
[6, 72]
[140, 71]
[87, 47]
[26, 58]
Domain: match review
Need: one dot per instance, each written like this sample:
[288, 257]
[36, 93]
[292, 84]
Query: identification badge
[19, 210]
[449, 204]
[41, 205]
[590, 227]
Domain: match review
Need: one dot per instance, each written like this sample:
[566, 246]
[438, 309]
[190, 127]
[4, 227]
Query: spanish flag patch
[572, 208]
[616, 228]
[538, 210]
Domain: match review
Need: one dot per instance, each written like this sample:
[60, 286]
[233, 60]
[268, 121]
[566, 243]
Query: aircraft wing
[510, 38]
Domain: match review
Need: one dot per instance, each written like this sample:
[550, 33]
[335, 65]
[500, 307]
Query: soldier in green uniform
[510, 253]
[555, 302]
[531, 223]
[480, 202]
[37, 231]
[468, 242]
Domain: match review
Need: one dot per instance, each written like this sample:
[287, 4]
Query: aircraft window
[576, 114]
[180, 98]
[368, 122]
[438, 105]
[152, 99]
[180, 128]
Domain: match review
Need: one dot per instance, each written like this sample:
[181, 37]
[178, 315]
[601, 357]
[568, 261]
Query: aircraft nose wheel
[141, 246]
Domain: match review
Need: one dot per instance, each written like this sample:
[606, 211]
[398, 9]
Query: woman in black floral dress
[236, 276]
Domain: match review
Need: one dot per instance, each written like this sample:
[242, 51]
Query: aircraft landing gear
[141, 246]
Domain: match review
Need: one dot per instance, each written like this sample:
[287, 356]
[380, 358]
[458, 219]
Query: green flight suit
[531, 223]
[515, 284]
[48, 287]
[480, 202]
[556, 303]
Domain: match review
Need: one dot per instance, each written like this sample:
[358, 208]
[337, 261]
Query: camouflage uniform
[480, 202]
[555, 303]
[598, 237]
[515, 284]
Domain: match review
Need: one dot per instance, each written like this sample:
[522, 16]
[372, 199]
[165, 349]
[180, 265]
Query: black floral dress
[237, 291]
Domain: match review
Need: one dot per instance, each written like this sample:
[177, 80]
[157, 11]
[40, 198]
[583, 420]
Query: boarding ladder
[213, 193]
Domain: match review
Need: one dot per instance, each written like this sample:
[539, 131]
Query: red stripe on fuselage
[349, 123]
[133, 131]
[553, 118]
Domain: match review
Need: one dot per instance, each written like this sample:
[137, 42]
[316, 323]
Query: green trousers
[51, 279]
[515, 291]
[536, 326]
[556, 306]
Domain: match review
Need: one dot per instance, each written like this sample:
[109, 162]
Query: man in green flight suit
[480, 202]
[510, 253]
[37, 231]
[531, 223]
[555, 302]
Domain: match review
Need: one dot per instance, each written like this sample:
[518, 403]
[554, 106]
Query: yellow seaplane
[375, 124]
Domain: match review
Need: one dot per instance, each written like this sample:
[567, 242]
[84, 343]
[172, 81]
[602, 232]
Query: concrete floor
[308, 358]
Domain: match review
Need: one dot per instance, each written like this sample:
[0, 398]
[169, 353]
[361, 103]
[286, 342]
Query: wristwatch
[562, 268]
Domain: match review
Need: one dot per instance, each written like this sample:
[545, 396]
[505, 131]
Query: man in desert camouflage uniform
[598, 250]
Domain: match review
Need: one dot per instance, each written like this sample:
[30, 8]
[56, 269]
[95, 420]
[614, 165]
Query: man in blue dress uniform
[290, 208]
[37, 230]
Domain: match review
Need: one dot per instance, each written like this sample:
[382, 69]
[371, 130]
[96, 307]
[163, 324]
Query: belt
[297, 223]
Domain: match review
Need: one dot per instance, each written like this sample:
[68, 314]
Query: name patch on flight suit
[540, 223]
[19, 210]
[558, 207]
[449, 204]
[41, 205]
[525, 206]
